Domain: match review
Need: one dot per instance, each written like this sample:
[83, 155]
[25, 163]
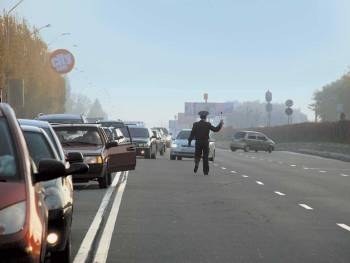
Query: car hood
[11, 193]
[184, 142]
[90, 150]
[140, 140]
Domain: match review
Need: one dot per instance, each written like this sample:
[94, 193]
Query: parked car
[166, 134]
[251, 140]
[102, 156]
[58, 192]
[63, 118]
[23, 213]
[145, 141]
[180, 148]
[161, 144]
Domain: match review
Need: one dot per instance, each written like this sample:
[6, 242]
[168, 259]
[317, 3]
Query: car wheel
[270, 149]
[162, 151]
[103, 181]
[233, 149]
[246, 148]
[109, 178]
[63, 256]
[154, 155]
[172, 157]
[256, 151]
[147, 154]
[179, 158]
[213, 157]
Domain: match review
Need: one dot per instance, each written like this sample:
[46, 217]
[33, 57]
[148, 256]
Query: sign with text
[62, 61]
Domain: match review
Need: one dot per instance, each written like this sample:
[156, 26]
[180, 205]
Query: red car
[23, 214]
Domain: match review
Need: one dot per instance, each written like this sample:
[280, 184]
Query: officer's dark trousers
[202, 147]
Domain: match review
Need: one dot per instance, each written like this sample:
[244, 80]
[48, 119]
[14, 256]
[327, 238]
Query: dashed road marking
[245, 176]
[253, 157]
[345, 175]
[223, 168]
[233, 172]
[346, 227]
[280, 162]
[280, 193]
[322, 171]
[306, 207]
[292, 165]
[260, 183]
[305, 168]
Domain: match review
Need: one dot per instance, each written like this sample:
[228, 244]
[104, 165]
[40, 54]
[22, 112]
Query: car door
[252, 141]
[123, 156]
[262, 142]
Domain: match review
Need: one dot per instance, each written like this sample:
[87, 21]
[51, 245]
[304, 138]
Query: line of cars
[36, 181]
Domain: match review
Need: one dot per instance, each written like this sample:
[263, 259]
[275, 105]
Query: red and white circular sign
[62, 61]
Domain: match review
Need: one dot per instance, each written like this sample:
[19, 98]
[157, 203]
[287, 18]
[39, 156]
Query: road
[253, 207]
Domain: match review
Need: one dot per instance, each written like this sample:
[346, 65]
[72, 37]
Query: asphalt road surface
[252, 207]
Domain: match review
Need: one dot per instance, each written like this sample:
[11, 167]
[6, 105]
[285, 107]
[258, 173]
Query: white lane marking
[322, 171]
[253, 157]
[85, 246]
[223, 168]
[105, 241]
[245, 176]
[345, 175]
[280, 193]
[346, 227]
[258, 182]
[292, 165]
[233, 172]
[305, 168]
[306, 207]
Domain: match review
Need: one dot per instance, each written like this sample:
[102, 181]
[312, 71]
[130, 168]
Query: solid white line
[245, 176]
[234, 172]
[223, 168]
[345, 175]
[85, 246]
[279, 193]
[258, 182]
[306, 206]
[105, 241]
[346, 227]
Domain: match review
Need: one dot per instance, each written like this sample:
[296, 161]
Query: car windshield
[139, 132]
[8, 166]
[183, 135]
[78, 135]
[239, 135]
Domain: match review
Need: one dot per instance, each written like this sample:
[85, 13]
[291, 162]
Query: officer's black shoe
[195, 168]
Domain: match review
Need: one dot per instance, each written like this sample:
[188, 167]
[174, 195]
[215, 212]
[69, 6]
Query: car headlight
[12, 218]
[174, 145]
[53, 198]
[93, 159]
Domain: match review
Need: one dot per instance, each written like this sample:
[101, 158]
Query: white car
[180, 149]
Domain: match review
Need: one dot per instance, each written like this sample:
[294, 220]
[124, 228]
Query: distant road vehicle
[43, 143]
[161, 147]
[251, 140]
[63, 118]
[166, 134]
[23, 217]
[102, 156]
[145, 141]
[180, 148]
[119, 127]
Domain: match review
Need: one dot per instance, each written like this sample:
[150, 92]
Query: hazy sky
[144, 58]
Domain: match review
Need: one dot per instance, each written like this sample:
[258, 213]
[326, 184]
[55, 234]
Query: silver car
[180, 149]
[251, 140]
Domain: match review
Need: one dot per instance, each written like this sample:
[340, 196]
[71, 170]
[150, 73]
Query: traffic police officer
[200, 132]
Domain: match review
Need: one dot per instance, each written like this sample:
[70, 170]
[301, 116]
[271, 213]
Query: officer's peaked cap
[203, 113]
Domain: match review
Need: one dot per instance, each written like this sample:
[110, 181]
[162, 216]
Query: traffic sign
[62, 61]
[268, 96]
[268, 107]
[289, 103]
[289, 111]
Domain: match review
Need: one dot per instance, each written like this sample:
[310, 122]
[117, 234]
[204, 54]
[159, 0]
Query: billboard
[214, 109]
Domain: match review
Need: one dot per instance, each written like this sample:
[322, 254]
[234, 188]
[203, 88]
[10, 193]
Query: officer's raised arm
[217, 128]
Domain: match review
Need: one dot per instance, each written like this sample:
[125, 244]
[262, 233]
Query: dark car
[58, 192]
[63, 118]
[161, 143]
[145, 141]
[102, 156]
[23, 215]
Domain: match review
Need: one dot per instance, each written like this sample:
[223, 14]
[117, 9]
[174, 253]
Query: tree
[96, 111]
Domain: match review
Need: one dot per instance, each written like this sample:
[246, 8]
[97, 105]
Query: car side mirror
[49, 169]
[77, 168]
[75, 157]
[111, 144]
[119, 137]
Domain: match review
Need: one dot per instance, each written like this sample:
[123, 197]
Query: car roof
[29, 128]
[91, 125]
[60, 116]
[36, 123]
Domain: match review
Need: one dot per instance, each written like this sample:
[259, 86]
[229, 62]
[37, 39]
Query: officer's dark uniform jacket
[200, 132]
